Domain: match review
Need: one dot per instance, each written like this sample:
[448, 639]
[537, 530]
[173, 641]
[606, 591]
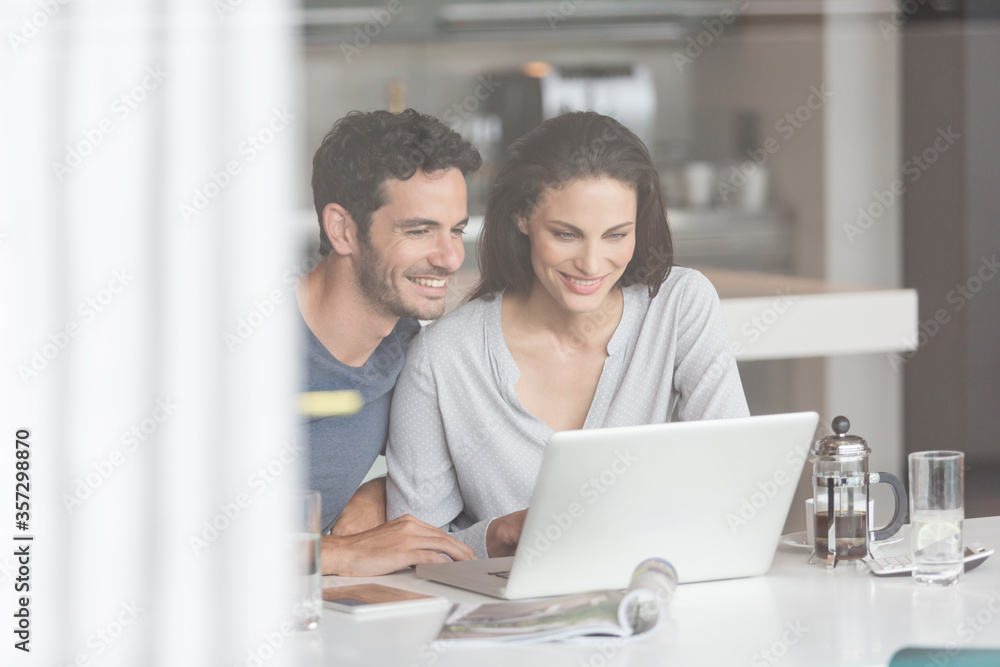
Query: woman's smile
[582, 238]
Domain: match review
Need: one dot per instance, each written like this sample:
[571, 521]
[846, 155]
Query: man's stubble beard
[381, 291]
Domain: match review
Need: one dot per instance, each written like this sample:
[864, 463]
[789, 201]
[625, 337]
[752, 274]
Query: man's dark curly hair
[364, 149]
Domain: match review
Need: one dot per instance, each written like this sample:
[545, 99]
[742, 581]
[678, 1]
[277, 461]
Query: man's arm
[364, 511]
[391, 546]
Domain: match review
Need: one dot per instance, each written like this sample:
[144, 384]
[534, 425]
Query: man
[390, 195]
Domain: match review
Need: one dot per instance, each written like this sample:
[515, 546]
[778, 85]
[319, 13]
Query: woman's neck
[538, 312]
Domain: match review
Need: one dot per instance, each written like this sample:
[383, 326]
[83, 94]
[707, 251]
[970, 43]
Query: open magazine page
[635, 612]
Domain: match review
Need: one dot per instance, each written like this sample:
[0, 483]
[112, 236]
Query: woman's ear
[340, 228]
[522, 224]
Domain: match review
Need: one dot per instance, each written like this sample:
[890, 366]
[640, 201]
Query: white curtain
[149, 155]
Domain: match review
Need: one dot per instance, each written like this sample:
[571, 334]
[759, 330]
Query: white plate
[798, 540]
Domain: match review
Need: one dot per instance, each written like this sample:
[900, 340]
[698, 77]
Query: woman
[579, 321]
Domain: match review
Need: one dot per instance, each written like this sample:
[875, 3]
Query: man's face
[414, 244]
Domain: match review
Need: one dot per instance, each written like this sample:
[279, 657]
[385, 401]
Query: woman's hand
[504, 533]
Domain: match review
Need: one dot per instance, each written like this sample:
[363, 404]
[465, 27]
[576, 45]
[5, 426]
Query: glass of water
[306, 603]
[937, 509]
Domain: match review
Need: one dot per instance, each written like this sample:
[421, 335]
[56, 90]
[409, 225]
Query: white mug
[700, 180]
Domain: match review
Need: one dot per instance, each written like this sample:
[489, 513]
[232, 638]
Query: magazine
[635, 612]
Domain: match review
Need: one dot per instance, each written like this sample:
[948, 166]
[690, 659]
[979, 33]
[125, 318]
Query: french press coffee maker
[842, 526]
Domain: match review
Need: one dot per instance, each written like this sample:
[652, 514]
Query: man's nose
[449, 253]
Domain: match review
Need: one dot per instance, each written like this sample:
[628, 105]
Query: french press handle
[899, 509]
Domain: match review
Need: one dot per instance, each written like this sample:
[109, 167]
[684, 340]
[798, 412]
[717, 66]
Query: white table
[796, 614]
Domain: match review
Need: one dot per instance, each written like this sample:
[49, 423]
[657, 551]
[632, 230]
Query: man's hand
[391, 546]
[504, 533]
[364, 511]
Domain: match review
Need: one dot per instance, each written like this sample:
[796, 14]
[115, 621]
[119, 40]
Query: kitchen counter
[785, 317]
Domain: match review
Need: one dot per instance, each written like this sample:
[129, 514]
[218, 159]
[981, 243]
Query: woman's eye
[565, 235]
[617, 236]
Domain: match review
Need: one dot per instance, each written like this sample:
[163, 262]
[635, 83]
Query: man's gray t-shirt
[342, 449]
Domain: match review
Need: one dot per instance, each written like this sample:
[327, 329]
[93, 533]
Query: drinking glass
[937, 509]
[306, 603]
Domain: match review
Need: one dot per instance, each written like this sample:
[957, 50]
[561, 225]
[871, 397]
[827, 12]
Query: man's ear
[341, 229]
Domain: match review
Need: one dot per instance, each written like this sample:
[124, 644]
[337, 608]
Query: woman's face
[582, 238]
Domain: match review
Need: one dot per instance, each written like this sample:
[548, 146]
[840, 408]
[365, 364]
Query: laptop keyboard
[503, 575]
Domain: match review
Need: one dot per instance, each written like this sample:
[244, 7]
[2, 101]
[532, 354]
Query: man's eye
[417, 233]
[458, 231]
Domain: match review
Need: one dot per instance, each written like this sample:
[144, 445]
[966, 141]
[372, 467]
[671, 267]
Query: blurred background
[851, 142]
[155, 210]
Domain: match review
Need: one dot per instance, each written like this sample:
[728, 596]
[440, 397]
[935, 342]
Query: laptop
[710, 497]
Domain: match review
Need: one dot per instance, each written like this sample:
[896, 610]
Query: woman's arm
[504, 533]
[705, 374]
[422, 479]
